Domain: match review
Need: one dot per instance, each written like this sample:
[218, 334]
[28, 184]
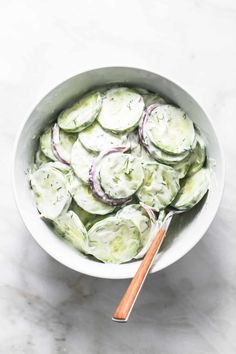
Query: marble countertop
[188, 308]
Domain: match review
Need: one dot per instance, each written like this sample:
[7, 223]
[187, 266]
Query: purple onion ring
[149, 211]
[55, 140]
[93, 178]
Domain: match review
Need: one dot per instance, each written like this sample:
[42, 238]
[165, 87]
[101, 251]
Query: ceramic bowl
[186, 230]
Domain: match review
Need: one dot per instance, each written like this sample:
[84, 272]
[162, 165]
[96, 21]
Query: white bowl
[185, 231]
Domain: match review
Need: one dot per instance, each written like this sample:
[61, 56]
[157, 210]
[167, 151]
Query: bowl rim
[110, 275]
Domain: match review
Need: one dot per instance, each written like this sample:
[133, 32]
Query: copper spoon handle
[124, 309]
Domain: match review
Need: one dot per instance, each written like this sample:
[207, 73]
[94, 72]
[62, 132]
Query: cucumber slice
[94, 178]
[137, 149]
[141, 90]
[192, 190]
[65, 169]
[82, 214]
[94, 220]
[182, 167]
[121, 110]
[170, 129]
[50, 188]
[155, 152]
[121, 175]
[140, 218]
[198, 156]
[81, 161]
[87, 219]
[152, 98]
[40, 159]
[62, 144]
[84, 198]
[114, 240]
[45, 143]
[194, 161]
[161, 184]
[96, 139]
[81, 114]
[162, 156]
[71, 228]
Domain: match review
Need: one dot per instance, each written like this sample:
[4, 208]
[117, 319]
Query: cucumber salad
[107, 170]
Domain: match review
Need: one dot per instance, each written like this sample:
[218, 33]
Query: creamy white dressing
[93, 162]
[170, 129]
[51, 192]
[114, 240]
[161, 184]
[83, 196]
[121, 175]
[96, 139]
[81, 114]
[121, 110]
[81, 161]
[46, 145]
[192, 190]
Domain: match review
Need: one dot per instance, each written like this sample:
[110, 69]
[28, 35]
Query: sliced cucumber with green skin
[62, 143]
[72, 229]
[83, 215]
[87, 219]
[155, 152]
[121, 175]
[81, 161]
[94, 178]
[83, 196]
[137, 149]
[194, 161]
[114, 240]
[182, 167]
[94, 220]
[192, 190]
[40, 159]
[160, 187]
[152, 98]
[96, 139]
[50, 188]
[141, 90]
[81, 114]
[45, 143]
[65, 169]
[163, 157]
[140, 218]
[121, 110]
[170, 129]
[198, 156]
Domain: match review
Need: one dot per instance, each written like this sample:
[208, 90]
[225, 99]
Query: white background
[189, 308]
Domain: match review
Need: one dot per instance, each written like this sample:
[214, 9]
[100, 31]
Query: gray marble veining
[188, 308]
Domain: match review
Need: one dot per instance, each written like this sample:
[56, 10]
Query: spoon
[124, 309]
[192, 191]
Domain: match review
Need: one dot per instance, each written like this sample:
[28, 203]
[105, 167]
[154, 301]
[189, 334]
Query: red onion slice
[55, 139]
[150, 108]
[149, 211]
[143, 121]
[141, 127]
[94, 178]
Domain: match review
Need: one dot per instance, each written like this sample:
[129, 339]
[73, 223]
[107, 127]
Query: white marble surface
[189, 308]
